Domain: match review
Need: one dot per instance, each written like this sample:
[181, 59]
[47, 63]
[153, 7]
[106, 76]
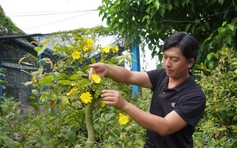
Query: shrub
[218, 128]
[66, 108]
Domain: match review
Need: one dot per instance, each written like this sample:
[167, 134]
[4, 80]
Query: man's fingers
[111, 93]
[98, 69]
[91, 72]
[109, 103]
[106, 94]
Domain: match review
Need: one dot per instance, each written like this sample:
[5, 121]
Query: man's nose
[168, 63]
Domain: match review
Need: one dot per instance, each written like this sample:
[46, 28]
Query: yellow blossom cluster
[102, 104]
[107, 49]
[72, 92]
[87, 48]
[95, 78]
[115, 49]
[123, 119]
[76, 55]
[89, 45]
[86, 97]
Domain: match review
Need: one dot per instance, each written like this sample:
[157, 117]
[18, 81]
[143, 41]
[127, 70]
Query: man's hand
[114, 98]
[98, 68]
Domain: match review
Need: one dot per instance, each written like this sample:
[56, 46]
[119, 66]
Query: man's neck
[175, 82]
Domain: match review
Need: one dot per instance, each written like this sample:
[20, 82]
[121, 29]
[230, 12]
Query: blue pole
[135, 65]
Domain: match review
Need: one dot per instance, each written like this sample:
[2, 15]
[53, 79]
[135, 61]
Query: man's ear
[191, 62]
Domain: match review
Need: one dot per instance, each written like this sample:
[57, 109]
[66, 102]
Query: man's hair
[187, 43]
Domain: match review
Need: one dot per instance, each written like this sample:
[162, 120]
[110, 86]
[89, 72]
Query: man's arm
[171, 123]
[121, 74]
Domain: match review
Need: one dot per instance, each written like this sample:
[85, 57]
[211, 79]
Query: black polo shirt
[187, 99]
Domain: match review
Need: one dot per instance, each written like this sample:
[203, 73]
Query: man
[177, 103]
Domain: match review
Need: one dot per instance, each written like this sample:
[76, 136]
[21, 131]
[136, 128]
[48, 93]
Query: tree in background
[212, 22]
[6, 25]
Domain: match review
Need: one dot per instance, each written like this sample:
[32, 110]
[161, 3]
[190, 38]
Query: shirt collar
[181, 86]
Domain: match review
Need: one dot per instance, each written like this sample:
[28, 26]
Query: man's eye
[175, 59]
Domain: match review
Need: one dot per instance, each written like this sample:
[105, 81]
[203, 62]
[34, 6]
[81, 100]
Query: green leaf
[36, 123]
[231, 26]
[161, 11]
[210, 56]
[84, 82]
[33, 57]
[42, 47]
[37, 49]
[210, 64]
[45, 60]
[27, 63]
[46, 79]
[93, 60]
[157, 4]
[66, 82]
[71, 134]
[75, 76]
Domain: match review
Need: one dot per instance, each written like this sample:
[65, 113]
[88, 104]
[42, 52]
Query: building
[14, 44]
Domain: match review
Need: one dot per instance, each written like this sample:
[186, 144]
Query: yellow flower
[87, 49]
[96, 78]
[102, 104]
[115, 49]
[86, 97]
[64, 101]
[76, 55]
[89, 43]
[123, 119]
[72, 92]
[34, 79]
[106, 49]
[74, 89]
[69, 94]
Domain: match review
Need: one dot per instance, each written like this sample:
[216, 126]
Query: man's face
[175, 64]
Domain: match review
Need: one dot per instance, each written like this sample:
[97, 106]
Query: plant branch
[89, 125]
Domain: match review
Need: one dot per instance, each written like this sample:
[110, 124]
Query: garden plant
[65, 107]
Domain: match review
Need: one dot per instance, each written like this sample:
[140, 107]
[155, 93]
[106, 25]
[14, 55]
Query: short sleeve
[191, 108]
[156, 76]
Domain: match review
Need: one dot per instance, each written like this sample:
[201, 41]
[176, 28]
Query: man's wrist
[126, 107]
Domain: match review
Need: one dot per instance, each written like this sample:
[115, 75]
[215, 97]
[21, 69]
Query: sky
[47, 16]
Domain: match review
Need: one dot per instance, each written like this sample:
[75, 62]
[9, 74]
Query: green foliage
[2, 75]
[24, 126]
[10, 113]
[218, 128]
[66, 37]
[152, 21]
[225, 35]
[57, 117]
[6, 25]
